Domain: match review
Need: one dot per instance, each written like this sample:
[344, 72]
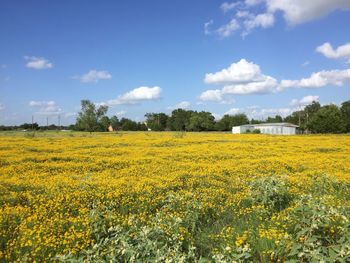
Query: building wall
[270, 129]
[277, 130]
[236, 129]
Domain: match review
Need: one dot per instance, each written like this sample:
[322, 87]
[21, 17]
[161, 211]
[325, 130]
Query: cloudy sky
[261, 57]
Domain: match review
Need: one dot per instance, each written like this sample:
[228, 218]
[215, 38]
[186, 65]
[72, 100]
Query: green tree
[156, 121]
[200, 121]
[179, 119]
[90, 116]
[328, 119]
[345, 110]
[104, 123]
[114, 122]
[275, 119]
[228, 121]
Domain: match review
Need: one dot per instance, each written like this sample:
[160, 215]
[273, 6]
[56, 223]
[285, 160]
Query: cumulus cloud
[94, 76]
[211, 95]
[318, 80]
[294, 12]
[228, 29]
[300, 11]
[242, 77]
[136, 96]
[45, 107]
[181, 105]
[266, 85]
[241, 71]
[37, 63]
[304, 101]
[2, 107]
[340, 52]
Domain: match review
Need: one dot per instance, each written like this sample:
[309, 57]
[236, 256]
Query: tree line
[314, 118]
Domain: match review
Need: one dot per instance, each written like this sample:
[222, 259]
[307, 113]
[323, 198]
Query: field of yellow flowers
[174, 197]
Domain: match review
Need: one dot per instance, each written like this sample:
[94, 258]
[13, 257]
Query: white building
[282, 128]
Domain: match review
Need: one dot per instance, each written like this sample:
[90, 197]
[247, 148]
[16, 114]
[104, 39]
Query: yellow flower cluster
[51, 183]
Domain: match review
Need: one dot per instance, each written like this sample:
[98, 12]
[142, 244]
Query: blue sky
[261, 57]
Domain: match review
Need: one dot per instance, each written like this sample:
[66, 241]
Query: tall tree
[89, 116]
[179, 119]
[228, 121]
[156, 121]
[200, 121]
[328, 119]
[345, 110]
[104, 123]
[114, 122]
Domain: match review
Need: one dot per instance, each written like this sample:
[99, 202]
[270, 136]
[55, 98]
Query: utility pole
[32, 122]
[47, 122]
[59, 121]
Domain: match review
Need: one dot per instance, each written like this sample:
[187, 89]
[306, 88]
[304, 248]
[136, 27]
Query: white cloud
[181, 105]
[318, 80]
[241, 71]
[38, 63]
[242, 77]
[328, 51]
[207, 26]
[211, 95]
[233, 111]
[45, 107]
[136, 96]
[2, 107]
[267, 85]
[225, 7]
[228, 29]
[263, 20]
[294, 12]
[300, 11]
[304, 101]
[94, 76]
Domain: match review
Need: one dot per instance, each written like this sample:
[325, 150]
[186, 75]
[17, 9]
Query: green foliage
[228, 121]
[156, 121]
[271, 192]
[327, 120]
[275, 119]
[90, 116]
[321, 232]
[179, 119]
[345, 110]
[104, 123]
[200, 121]
[114, 122]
